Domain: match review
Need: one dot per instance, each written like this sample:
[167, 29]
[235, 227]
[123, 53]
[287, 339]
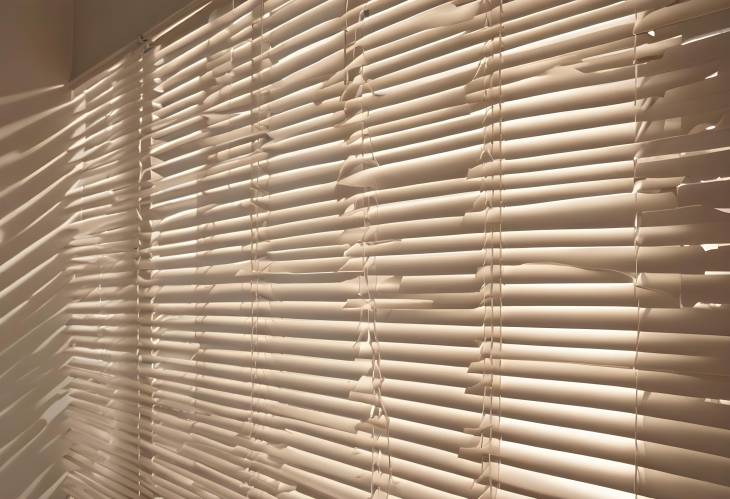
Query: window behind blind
[420, 249]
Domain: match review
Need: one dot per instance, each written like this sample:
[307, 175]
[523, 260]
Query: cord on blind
[420, 249]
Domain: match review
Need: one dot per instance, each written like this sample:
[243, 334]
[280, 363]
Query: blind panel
[406, 249]
[106, 402]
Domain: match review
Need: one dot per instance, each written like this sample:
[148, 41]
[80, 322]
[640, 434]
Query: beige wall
[37, 41]
[35, 60]
[105, 26]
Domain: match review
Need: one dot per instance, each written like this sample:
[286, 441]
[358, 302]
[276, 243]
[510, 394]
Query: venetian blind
[416, 249]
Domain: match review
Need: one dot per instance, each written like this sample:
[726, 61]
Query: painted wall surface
[36, 38]
[104, 26]
[37, 60]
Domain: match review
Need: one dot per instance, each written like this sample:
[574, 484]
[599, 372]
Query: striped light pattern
[420, 249]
